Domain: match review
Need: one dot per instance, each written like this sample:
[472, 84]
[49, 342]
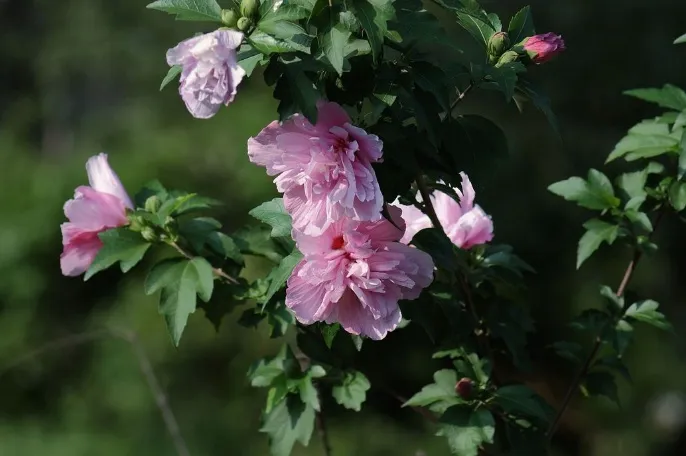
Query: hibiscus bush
[378, 226]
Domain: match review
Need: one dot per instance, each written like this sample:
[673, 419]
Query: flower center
[337, 243]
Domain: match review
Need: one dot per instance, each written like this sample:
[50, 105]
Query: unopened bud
[497, 45]
[544, 47]
[136, 222]
[508, 57]
[153, 204]
[149, 234]
[249, 8]
[229, 17]
[244, 24]
[464, 388]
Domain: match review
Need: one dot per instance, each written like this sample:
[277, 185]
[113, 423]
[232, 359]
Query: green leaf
[248, 57]
[190, 10]
[594, 193]
[274, 214]
[374, 16]
[668, 96]
[568, 350]
[173, 72]
[478, 26]
[297, 93]
[467, 430]
[520, 400]
[431, 79]
[332, 41]
[541, 101]
[505, 77]
[279, 275]
[681, 39]
[434, 242]
[329, 333]
[288, 422]
[621, 336]
[596, 233]
[591, 320]
[521, 25]
[441, 391]
[682, 153]
[601, 384]
[308, 393]
[287, 11]
[650, 139]
[119, 245]
[180, 280]
[646, 312]
[268, 44]
[677, 195]
[615, 364]
[352, 392]
[616, 301]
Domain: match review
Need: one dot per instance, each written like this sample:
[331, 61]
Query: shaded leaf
[596, 233]
[118, 245]
[173, 72]
[352, 392]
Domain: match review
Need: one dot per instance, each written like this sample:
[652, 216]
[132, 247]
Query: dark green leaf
[668, 96]
[190, 10]
[682, 152]
[268, 44]
[615, 364]
[374, 16]
[596, 233]
[352, 392]
[591, 320]
[288, 422]
[568, 350]
[431, 79]
[173, 72]
[601, 384]
[180, 280]
[274, 214]
[434, 242]
[540, 100]
[119, 245]
[646, 311]
[248, 57]
[298, 94]
[329, 333]
[153, 188]
[279, 275]
[467, 430]
[521, 25]
[621, 336]
[520, 400]
[477, 25]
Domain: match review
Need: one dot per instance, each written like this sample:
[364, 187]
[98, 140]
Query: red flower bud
[542, 48]
[464, 388]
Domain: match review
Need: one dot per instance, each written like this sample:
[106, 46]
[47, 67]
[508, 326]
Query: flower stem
[217, 271]
[426, 199]
[460, 97]
[628, 274]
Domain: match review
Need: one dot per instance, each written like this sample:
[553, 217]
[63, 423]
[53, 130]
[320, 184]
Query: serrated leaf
[520, 400]
[119, 245]
[173, 72]
[669, 96]
[635, 146]
[180, 280]
[646, 312]
[280, 274]
[596, 233]
[274, 214]
[332, 41]
[268, 44]
[308, 393]
[352, 392]
[248, 57]
[441, 391]
[288, 422]
[434, 242]
[190, 10]
[521, 25]
[478, 26]
[595, 193]
[329, 333]
[374, 16]
[467, 430]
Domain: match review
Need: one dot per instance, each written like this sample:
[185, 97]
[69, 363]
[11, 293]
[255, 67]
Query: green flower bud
[244, 24]
[153, 204]
[497, 45]
[508, 57]
[136, 223]
[229, 17]
[249, 8]
[149, 234]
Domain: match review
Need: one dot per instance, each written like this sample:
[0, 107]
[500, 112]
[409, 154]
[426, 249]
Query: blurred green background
[81, 76]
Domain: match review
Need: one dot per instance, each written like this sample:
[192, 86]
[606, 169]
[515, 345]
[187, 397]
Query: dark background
[81, 76]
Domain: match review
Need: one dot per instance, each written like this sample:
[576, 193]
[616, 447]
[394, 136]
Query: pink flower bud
[542, 48]
[464, 388]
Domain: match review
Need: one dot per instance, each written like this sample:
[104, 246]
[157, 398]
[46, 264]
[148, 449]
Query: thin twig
[154, 385]
[144, 364]
[628, 274]
[426, 199]
[460, 97]
[322, 430]
[217, 271]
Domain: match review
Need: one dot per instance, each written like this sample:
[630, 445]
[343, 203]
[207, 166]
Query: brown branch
[217, 271]
[460, 97]
[628, 274]
[426, 199]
